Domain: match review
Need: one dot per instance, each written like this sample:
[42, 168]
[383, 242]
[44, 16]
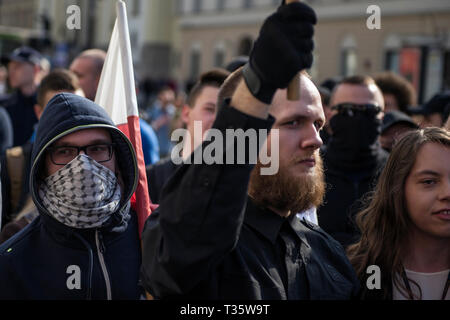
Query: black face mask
[354, 142]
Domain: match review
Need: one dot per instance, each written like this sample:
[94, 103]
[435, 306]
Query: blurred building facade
[179, 39]
[43, 25]
[414, 38]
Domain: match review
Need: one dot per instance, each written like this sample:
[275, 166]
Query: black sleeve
[152, 184]
[199, 218]
[5, 196]
[157, 176]
[1, 205]
[6, 131]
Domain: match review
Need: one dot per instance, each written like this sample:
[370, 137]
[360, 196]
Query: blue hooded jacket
[49, 260]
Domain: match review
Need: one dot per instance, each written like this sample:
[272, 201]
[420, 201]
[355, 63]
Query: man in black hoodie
[353, 157]
[85, 243]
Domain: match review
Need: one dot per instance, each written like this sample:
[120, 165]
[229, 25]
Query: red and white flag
[116, 93]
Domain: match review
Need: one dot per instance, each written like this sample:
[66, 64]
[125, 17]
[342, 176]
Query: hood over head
[66, 113]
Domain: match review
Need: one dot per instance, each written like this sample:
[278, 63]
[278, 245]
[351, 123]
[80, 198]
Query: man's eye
[99, 148]
[64, 151]
[292, 123]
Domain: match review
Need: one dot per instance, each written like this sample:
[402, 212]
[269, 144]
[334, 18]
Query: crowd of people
[363, 180]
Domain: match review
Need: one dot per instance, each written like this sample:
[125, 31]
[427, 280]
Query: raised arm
[202, 206]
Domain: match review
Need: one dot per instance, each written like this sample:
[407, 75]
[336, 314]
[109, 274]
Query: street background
[174, 41]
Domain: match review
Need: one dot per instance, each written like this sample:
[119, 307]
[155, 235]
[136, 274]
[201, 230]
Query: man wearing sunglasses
[84, 244]
[353, 156]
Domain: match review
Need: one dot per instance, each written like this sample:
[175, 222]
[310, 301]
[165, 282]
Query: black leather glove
[283, 48]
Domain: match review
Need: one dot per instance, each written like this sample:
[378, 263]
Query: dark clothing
[325, 135]
[348, 181]
[37, 265]
[14, 227]
[157, 176]
[21, 111]
[10, 210]
[45, 259]
[385, 291]
[6, 131]
[208, 240]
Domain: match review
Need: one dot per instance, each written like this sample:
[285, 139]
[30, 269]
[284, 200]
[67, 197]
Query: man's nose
[311, 138]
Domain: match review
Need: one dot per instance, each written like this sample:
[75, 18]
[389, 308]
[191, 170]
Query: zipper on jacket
[100, 251]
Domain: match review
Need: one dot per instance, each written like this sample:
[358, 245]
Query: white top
[310, 215]
[431, 284]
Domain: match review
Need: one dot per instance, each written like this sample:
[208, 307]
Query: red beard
[285, 192]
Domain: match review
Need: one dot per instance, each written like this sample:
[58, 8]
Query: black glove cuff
[260, 90]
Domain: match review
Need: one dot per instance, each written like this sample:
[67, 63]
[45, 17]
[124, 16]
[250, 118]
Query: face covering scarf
[353, 144]
[83, 194]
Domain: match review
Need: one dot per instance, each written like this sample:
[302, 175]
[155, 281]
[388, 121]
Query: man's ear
[37, 68]
[185, 113]
[38, 73]
[38, 111]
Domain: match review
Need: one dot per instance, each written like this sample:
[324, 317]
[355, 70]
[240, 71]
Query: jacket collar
[268, 223]
[64, 235]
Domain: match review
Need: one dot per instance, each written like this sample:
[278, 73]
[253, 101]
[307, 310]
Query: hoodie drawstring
[91, 264]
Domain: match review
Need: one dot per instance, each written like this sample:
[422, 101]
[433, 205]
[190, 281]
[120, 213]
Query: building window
[133, 39]
[136, 8]
[179, 7]
[219, 58]
[348, 62]
[195, 64]
[197, 8]
[247, 4]
[245, 46]
[434, 66]
[391, 61]
[392, 47]
[220, 5]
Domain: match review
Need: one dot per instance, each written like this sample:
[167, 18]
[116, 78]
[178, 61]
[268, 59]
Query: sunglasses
[350, 108]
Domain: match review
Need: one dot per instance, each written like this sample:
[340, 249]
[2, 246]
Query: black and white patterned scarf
[83, 194]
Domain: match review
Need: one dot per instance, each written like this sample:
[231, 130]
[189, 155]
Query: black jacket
[47, 258]
[207, 240]
[6, 131]
[348, 181]
[8, 211]
[23, 118]
[157, 176]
